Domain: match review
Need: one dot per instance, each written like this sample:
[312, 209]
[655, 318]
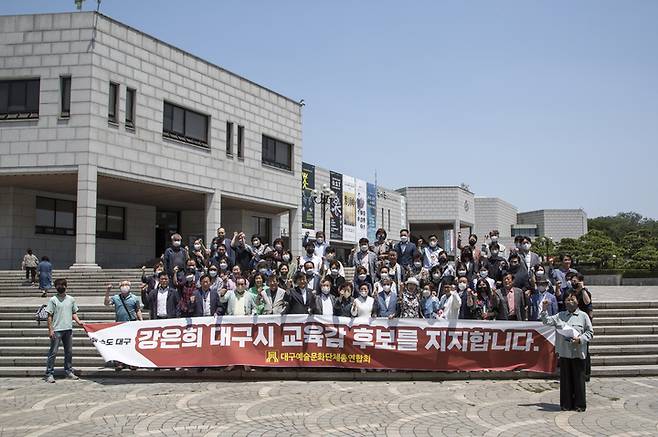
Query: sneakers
[71, 375]
[50, 379]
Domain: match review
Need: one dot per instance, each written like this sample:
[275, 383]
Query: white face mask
[334, 272]
[418, 264]
[526, 246]
[319, 240]
[189, 278]
[484, 274]
[329, 256]
[384, 275]
[404, 238]
[326, 290]
[310, 272]
[386, 288]
[436, 276]
[278, 247]
[494, 238]
[212, 273]
[286, 257]
[176, 243]
[363, 293]
[363, 277]
[433, 244]
[125, 289]
[426, 293]
[197, 247]
[462, 286]
[256, 243]
[494, 253]
[223, 266]
[539, 273]
[462, 273]
[364, 248]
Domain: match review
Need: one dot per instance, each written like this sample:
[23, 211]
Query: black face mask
[310, 251]
[61, 290]
[482, 290]
[571, 307]
[513, 267]
[443, 260]
[380, 237]
[472, 242]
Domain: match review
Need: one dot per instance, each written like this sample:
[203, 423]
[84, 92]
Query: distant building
[554, 223]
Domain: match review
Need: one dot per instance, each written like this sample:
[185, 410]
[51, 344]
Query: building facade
[554, 223]
[110, 140]
[493, 213]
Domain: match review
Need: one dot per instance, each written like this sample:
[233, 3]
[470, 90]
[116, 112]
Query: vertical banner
[308, 205]
[349, 208]
[336, 208]
[403, 214]
[371, 206]
[361, 211]
[448, 236]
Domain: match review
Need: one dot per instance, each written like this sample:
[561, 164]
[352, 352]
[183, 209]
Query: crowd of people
[407, 279]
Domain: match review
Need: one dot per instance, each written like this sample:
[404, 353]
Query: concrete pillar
[455, 231]
[295, 230]
[213, 211]
[85, 232]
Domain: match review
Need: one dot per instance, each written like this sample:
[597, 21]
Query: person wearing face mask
[182, 277]
[330, 258]
[494, 262]
[429, 303]
[285, 276]
[275, 294]
[333, 276]
[324, 301]
[364, 305]
[494, 238]
[513, 299]
[243, 252]
[312, 277]
[221, 241]
[517, 245]
[259, 250]
[364, 257]
[483, 273]
[535, 298]
[410, 302]
[466, 258]
[572, 349]
[584, 298]
[414, 269]
[299, 299]
[432, 252]
[381, 246]
[475, 252]
[387, 300]
[517, 268]
[343, 305]
[127, 308]
[200, 254]
[175, 256]
[149, 283]
[320, 243]
[361, 277]
[275, 256]
[312, 257]
[384, 275]
[220, 257]
[395, 270]
[450, 303]
[485, 304]
[206, 299]
[262, 297]
[559, 275]
[240, 302]
[187, 290]
[62, 311]
[406, 250]
[528, 258]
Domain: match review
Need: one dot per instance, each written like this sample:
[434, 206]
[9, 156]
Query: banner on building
[308, 205]
[336, 206]
[372, 211]
[361, 210]
[349, 208]
[323, 341]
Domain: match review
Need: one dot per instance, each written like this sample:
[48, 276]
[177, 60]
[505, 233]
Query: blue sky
[546, 104]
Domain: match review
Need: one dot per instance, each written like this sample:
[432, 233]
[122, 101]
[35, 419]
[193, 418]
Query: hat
[412, 280]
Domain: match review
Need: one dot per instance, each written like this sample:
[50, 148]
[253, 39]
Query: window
[65, 97]
[263, 228]
[240, 141]
[389, 219]
[277, 153]
[229, 138]
[19, 99]
[130, 107]
[185, 125]
[110, 222]
[55, 216]
[112, 108]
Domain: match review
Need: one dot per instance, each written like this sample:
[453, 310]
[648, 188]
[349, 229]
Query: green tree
[598, 249]
[634, 241]
[645, 258]
[570, 246]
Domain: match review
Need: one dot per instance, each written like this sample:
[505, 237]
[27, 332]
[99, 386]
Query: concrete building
[443, 211]
[554, 223]
[110, 140]
[493, 213]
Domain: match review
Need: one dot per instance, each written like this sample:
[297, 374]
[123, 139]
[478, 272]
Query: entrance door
[166, 224]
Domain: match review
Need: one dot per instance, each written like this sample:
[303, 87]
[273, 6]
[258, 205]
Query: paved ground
[30, 407]
[599, 293]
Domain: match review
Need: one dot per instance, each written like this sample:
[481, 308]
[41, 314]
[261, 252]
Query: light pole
[322, 197]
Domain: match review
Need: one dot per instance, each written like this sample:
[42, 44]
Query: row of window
[19, 99]
[57, 217]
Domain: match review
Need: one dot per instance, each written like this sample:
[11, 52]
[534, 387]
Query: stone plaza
[158, 407]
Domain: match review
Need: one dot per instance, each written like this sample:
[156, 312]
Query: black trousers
[31, 271]
[572, 383]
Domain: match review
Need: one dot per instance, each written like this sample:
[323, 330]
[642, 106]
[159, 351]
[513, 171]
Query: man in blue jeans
[62, 311]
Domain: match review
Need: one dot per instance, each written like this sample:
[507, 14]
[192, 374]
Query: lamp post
[322, 197]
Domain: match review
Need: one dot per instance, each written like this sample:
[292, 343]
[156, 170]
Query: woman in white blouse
[364, 305]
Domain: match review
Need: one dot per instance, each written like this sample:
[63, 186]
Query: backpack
[41, 315]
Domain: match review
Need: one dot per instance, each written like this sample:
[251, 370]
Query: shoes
[71, 376]
[44, 294]
[580, 410]
[50, 379]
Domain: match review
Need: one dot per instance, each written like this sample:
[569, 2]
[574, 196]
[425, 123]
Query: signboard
[336, 206]
[371, 206]
[308, 205]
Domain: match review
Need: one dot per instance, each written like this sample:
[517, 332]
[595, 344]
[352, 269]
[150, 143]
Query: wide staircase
[625, 344]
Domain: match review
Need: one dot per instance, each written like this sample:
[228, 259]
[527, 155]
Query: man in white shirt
[163, 299]
[324, 301]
